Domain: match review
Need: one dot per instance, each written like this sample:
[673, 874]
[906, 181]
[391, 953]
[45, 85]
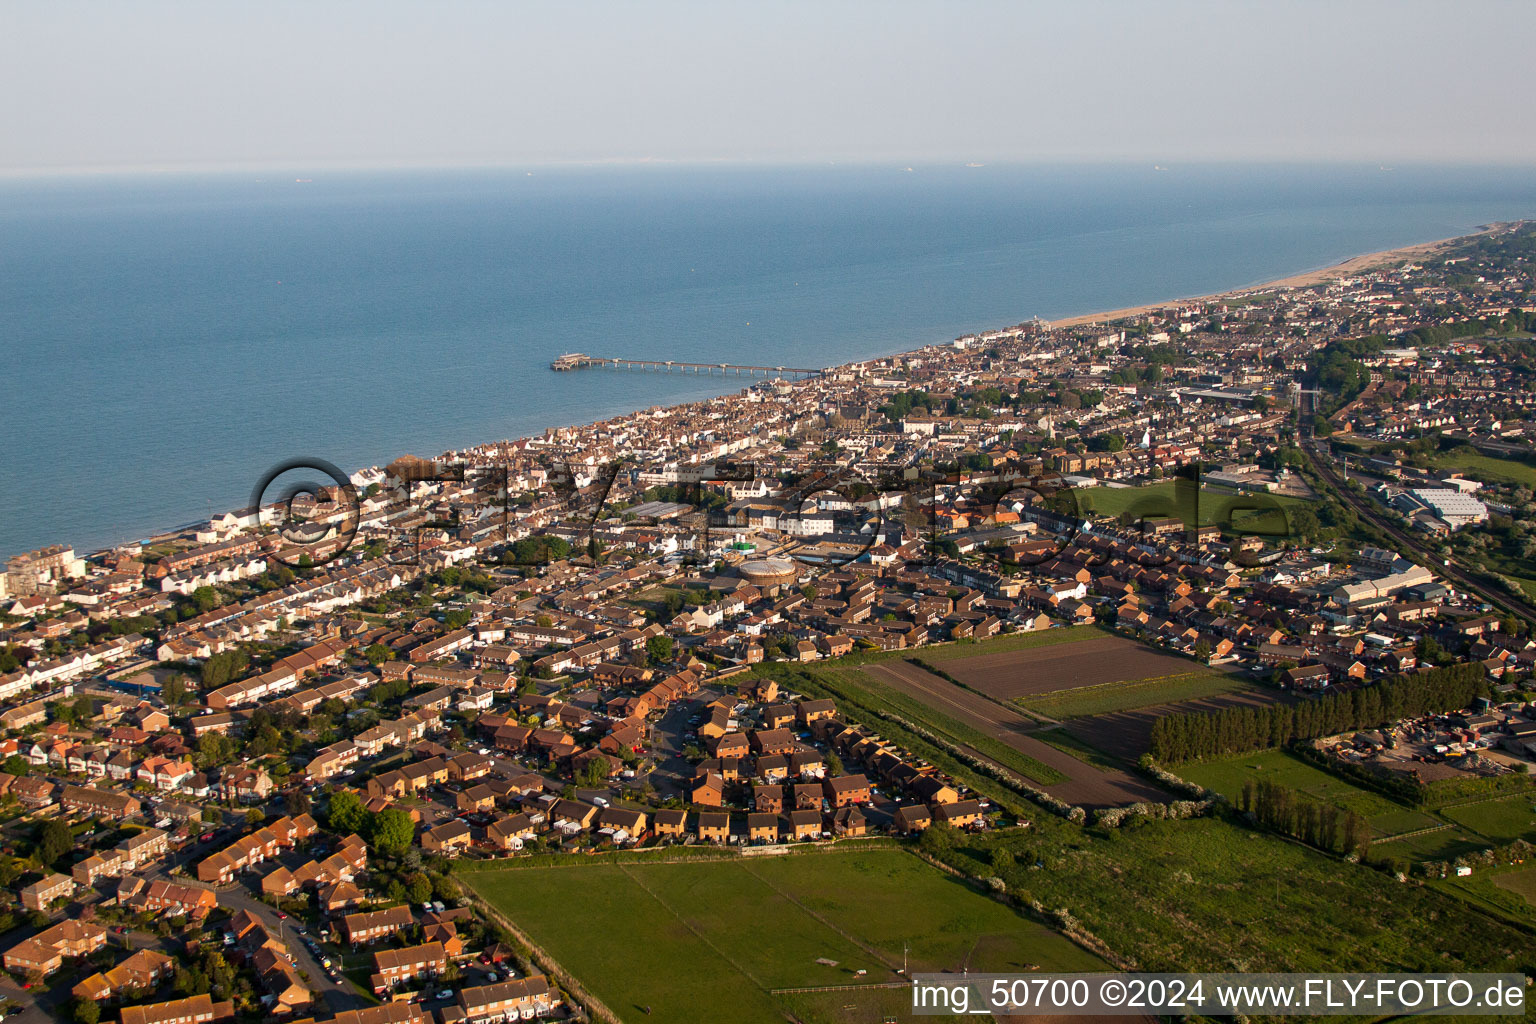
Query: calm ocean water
[169, 339]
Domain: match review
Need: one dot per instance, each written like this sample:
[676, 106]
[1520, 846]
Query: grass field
[1508, 891]
[1487, 468]
[712, 940]
[1104, 698]
[1513, 817]
[1386, 817]
[1205, 894]
[1440, 844]
[1202, 506]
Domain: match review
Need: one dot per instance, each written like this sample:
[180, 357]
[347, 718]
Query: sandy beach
[1346, 268]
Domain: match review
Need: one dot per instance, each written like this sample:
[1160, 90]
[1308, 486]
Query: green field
[1487, 468]
[1207, 895]
[940, 653]
[1067, 742]
[1513, 817]
[1440, 844]
[1127, 695]
[1509, 891]
[1226, 776]
[1204, 507]
[1522, 883]
[712, 940]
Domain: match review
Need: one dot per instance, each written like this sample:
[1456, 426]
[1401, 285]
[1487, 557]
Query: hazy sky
[148, 83]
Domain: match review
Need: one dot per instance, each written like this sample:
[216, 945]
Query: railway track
[1477, 583]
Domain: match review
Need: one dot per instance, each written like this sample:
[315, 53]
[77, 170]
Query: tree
[254, 817]
[16, 765]
[347, 813]
[175, 689]
[658, 649]
[377, 654]
[214, 749]
[86, 1011]
[938, 839]
[393, 831]
[54, 840]
[418, 888]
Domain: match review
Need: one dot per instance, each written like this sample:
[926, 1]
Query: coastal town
[247, 767]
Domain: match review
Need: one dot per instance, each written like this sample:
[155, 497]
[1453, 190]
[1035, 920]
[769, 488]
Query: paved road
[337, 995]
[672, 771]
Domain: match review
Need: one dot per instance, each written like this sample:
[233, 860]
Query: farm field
[1092, 659]
[883, 686]
[1126, 734]
[1131, 694]
[1503, 820]
[1522, 883]
[1076, 782]
[1003, 643]
[713, 940]
[1065, 741]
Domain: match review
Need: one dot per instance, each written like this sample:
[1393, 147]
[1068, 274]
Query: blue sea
[168, 339]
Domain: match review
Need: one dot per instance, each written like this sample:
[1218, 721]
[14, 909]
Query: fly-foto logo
[822, 516]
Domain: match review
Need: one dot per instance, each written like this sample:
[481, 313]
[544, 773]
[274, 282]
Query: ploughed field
[741, 939]
[1090, 661]
[1127, 734]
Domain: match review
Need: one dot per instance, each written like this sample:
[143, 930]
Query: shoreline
[1351, 265]
[1307, 278]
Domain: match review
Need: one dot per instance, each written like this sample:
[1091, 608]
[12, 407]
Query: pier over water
[582, 361]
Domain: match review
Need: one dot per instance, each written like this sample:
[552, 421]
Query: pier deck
[581, 361]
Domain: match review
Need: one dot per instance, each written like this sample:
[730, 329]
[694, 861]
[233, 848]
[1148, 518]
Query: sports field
[719, 940]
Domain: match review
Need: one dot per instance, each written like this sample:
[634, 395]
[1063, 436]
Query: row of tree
[1281, 809]
[1239, 730]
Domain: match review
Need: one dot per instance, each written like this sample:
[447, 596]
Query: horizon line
[284, 166]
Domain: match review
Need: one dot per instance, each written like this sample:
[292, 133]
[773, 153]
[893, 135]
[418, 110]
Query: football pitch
[745, 939]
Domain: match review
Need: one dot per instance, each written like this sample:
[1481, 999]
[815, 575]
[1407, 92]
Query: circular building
[769, 572]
